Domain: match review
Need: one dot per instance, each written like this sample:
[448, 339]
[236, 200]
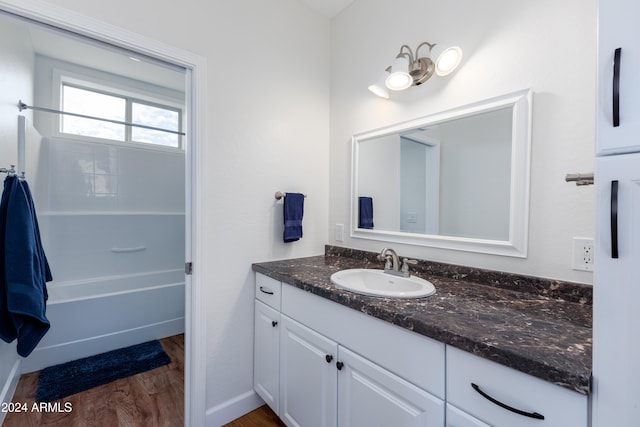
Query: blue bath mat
[56, 382]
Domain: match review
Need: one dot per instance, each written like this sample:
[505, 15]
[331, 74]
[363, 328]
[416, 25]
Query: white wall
[16, 71]
[545, 45]
[268, 121]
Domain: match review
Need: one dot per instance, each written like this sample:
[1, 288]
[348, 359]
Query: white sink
[377, 282]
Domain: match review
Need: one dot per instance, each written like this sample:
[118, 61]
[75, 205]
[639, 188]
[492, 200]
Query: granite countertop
[540, 327]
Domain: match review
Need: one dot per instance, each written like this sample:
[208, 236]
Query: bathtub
[91, 316]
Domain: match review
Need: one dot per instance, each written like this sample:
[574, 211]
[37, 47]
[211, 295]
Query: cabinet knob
[328, 358]
[274, 323]
[339, 365]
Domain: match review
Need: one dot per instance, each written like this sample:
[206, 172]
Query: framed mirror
[457, 179]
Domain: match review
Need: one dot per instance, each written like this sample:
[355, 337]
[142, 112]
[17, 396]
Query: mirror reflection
[450, 178]
[459, 176]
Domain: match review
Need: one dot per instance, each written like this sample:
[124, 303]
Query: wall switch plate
[583, 256]
[339, 232]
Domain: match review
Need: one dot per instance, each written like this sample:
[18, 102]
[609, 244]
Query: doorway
[152, 52]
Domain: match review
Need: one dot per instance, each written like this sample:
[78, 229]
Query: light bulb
[399, 78]
[447, 60]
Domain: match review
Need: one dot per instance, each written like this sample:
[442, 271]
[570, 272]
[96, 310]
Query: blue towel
[7, 329]
[365, 212]
[293, 211]
[26, 270]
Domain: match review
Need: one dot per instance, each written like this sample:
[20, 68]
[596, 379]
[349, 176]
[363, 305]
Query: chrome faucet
[390, 257]
[392, 263]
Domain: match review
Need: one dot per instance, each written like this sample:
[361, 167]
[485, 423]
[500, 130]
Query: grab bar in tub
[125, 250]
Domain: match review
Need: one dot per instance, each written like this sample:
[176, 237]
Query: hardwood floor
[151, 399]
[261, 417]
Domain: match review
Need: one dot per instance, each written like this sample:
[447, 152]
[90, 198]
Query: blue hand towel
[293, 211]
[26, 270]
[365, 212]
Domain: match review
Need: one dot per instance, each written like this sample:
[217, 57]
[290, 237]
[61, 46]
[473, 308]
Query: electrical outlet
[583, 256]
[339, 232]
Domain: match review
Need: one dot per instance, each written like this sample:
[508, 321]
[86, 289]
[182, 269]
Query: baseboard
[43, 357]
[232, 409]
[9, 388]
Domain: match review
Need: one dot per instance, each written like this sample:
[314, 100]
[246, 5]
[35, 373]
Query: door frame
[195, 336]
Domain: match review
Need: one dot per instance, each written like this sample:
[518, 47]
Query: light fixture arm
[409, 53]
[431, 46]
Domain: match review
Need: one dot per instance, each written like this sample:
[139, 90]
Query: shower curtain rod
[23, 106]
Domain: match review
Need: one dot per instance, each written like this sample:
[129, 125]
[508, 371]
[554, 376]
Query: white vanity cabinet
[319, 363]
[477, 387]
[339, 367]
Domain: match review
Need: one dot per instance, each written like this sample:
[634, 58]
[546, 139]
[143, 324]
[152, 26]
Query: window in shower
[160, 123]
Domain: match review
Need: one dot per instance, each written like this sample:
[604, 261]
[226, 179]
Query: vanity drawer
[268, 290]
[559, 406]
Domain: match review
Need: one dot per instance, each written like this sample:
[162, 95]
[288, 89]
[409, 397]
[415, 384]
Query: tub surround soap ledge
[540, 327]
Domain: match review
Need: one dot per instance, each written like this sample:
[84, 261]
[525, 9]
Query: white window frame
[120, 89]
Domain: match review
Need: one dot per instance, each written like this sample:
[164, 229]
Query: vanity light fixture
[408, 70]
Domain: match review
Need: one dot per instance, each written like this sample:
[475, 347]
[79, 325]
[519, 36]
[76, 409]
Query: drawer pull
[505, 406]
[616, 87]
[614, 219]
[266, 292]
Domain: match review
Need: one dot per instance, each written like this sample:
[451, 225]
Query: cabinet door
[458, 418]
[616, 292]
[618, 28]
[370, 396]
[308, 380]
[266, 379]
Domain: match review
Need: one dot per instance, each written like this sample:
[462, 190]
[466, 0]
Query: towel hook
[9, 172]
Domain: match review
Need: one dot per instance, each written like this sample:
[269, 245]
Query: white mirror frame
[516, 245]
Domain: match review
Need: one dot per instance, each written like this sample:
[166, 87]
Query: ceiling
[328, 8]
[76, 50]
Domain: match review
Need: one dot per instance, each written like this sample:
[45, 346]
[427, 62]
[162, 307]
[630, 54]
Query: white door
[616, 339]
[458, 418]
[618, 121]
[370, 396]
[266, 372]
[308, 380]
